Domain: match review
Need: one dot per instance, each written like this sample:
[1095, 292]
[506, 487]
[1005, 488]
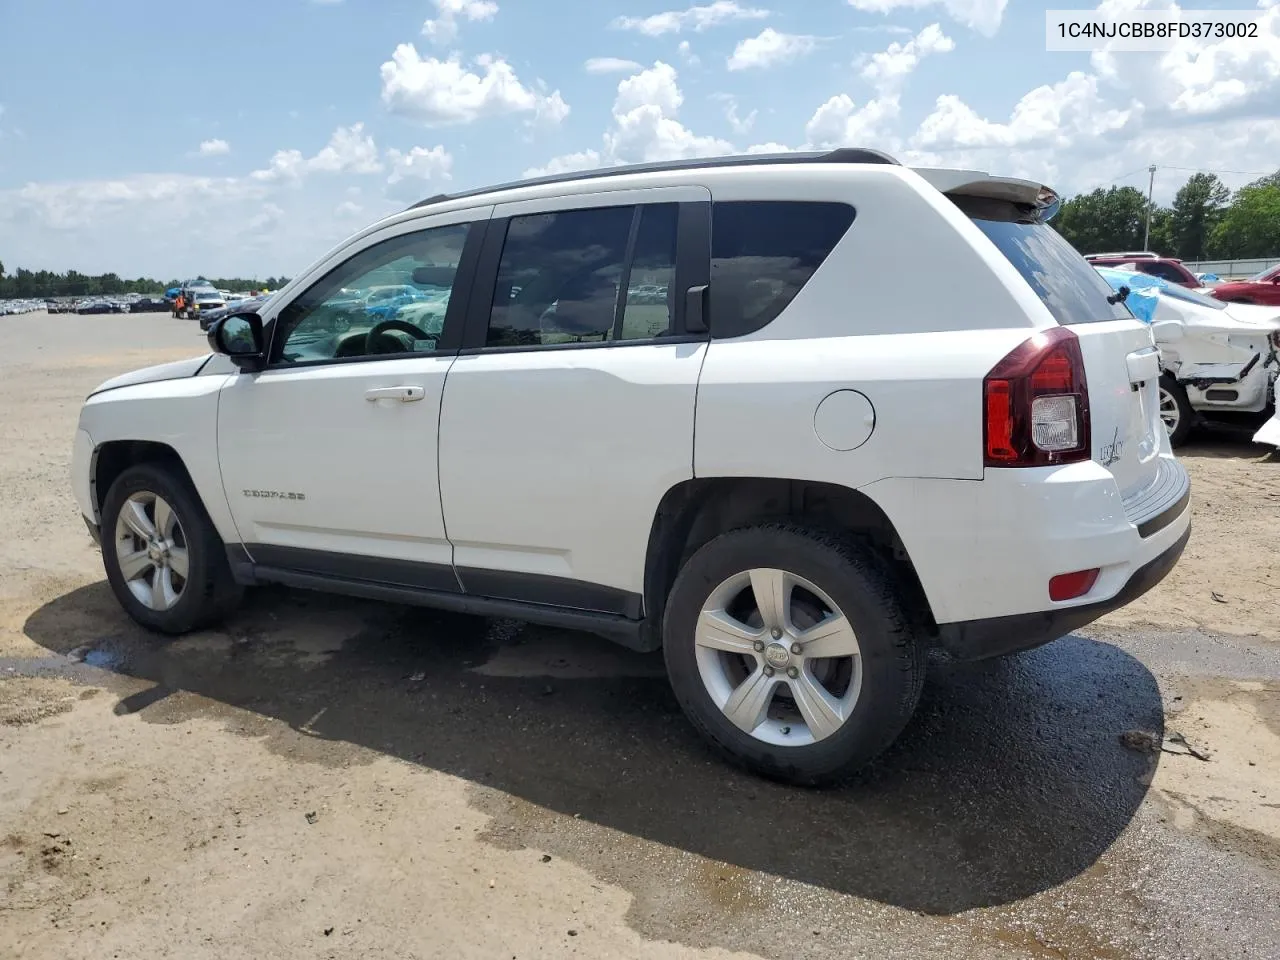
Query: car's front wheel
[790, 651]
[1175, 410]
[164, 560]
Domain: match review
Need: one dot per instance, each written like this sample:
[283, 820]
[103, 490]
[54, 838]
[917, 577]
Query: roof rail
[841, 155]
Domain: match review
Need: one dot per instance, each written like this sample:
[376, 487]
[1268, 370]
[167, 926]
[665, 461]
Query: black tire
[892, 655]
[210, 593]
[1186, 416]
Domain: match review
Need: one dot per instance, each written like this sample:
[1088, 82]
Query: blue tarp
[1143, 290]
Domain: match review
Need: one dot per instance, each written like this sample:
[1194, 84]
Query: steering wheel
[374, 340]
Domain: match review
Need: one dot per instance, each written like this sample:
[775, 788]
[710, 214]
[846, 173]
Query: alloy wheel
[151, 549]
[778, 657]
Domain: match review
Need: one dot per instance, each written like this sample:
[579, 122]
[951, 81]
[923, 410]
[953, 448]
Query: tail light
[1036, 404]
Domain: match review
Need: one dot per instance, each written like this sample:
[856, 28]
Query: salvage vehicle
[1218, 361]
[778, 486]
[1263, 289]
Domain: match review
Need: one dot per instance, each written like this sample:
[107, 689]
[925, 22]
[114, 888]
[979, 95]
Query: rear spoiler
[1028, 195]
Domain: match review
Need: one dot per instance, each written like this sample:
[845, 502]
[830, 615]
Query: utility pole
[1151, 186]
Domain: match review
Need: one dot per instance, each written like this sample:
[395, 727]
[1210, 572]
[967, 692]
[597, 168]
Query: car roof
[947, 180]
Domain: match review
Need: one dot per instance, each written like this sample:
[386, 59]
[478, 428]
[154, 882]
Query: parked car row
[20, 306]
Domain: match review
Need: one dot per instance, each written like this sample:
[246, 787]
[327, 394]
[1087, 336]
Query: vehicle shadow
[1225, 443]
[1010, 780]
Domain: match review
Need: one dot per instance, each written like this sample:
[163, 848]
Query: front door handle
[403, 394]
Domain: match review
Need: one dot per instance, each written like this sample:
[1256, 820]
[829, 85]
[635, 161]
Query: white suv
[793, 419]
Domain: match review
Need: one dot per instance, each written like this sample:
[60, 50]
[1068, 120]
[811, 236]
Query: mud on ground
[335, 778]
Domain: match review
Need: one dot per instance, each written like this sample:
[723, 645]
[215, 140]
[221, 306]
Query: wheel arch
[114, 457]
[694, 512]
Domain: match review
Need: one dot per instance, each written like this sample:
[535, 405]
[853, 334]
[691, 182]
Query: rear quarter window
[1066, 283]
[763, 252]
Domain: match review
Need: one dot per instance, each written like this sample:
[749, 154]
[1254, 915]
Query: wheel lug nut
[759, 646]
[768, 671]
[796, 648]
[792, 672]
[777, 634]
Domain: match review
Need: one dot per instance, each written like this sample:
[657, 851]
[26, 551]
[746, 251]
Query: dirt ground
[333, 778]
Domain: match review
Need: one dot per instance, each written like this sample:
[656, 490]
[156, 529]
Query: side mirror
[239, 337]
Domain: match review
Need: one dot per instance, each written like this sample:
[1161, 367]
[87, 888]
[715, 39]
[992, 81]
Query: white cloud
[1053, 115]
[888, 69]
[769, 48]
[347, 208]
[1198, 79]
[685, 49]
[770, 147]
[434, 163]
[841, 123]
[349, 150]
[284, 165]
[737, 123]
[644, 127]
[443, 30]
[655, 87]
[610, 65]
[438, 91]
[208, 148]
[983, 16]
[697, 18]
[569, 163]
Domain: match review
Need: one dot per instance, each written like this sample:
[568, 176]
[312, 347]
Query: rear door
[1122, 364]
[569, 412]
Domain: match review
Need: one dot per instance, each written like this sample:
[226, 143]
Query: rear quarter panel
[912, 308]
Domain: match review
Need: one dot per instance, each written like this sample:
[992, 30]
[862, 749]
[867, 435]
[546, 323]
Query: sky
[246, 138]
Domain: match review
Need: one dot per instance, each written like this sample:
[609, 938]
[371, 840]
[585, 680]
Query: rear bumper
[985, 551]
[981, 639]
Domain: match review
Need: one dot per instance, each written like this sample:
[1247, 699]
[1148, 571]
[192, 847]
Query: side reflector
[1068, 586]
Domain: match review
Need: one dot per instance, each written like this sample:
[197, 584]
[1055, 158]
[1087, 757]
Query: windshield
[1059, 275]
[1265, 275]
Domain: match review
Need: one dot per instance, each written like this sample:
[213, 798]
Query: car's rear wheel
[1175, 410]
[164, 560]
[790, 651]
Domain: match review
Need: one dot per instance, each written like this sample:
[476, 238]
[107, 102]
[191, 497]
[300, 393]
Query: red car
[1166, 268]
[1264, 289]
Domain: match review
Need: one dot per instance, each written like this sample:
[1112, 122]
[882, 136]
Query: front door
[328, 456]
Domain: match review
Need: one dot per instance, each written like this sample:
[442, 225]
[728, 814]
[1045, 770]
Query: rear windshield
[1059, 275]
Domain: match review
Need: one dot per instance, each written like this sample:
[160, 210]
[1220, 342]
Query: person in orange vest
[178, 304]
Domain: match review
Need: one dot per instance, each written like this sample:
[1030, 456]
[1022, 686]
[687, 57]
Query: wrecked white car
[1219, 361]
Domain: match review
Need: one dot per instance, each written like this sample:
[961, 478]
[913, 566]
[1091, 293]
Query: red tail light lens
[1036, 404]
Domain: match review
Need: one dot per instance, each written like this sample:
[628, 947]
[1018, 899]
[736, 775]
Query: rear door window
[1055, 270]
[763, 253]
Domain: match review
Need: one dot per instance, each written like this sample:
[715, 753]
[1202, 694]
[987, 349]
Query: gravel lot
[334, 778]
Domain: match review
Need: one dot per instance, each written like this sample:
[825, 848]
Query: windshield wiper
[1120, 296]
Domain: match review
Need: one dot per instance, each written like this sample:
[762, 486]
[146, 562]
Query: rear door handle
[403, 394]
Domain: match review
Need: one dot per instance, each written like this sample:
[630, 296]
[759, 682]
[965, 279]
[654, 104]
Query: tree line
[38, 284]
[1205, 222]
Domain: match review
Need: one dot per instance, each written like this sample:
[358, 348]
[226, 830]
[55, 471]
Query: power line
[1128, 175]
[1240, 173]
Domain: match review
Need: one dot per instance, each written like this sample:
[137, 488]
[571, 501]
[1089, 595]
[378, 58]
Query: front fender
[181, 414]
